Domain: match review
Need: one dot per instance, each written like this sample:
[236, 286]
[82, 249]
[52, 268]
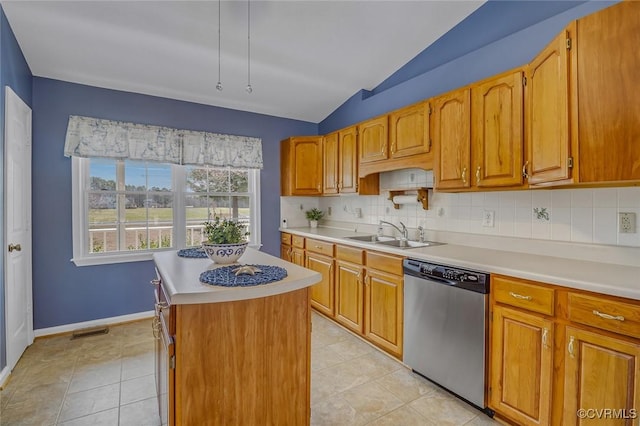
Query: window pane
[102, 174]
[135, 175]
[159, 177]
[218, 180]
[196, 179]
[239, 180]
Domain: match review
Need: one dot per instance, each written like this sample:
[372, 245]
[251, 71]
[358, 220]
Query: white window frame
[79, 215]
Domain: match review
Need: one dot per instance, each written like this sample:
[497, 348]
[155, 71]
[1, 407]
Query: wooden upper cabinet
[452, 136]
[409, 130]
[548, 144]
[600, 371]
[497, 130]
[301, 166]
[330, 161]
[348, 160]
[608, 91]
[373, 141]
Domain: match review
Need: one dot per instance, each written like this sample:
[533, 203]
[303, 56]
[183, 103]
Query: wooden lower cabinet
[322, 294]
[521, 366]
[350, 295]
[383, 307]
[297, 256]
[555, 351]
[601, 372]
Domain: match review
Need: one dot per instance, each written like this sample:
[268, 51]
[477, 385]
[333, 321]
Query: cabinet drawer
[297, 241]
[350, 254]
[384, 262]
[285, 238]
[523, 294]
[321, 247]
[607, 314]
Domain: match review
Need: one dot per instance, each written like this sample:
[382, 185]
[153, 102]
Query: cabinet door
[349, 295]
[452, 133]
[497, 131]
[548, 144]
[286, 253]
[297, 256]
[601, 372]
[322, 293]
[521, 366]
[306, 166]
[409, 130]
[330, 161]
[384, 310]
[373, 136]
[607, 94]
[348, 161]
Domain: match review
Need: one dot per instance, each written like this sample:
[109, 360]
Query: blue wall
[15, 73]
[65, 293]
[449, 63]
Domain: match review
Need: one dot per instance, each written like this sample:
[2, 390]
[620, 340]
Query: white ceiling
[307, 57]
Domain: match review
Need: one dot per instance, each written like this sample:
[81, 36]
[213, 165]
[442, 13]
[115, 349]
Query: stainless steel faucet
[404, 231]
[421, 234]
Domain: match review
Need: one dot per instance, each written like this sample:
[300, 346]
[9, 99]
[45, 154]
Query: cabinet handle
[524, 170]
[155, 282]
[384, 148]
[318, 247]
[570, 347]
[339, 185]
[464, 175]
[519, 296]
[607, 316]
[393, 148]
[478, 175]
[14, 247]
[545, 335]
[318, 188]
[155, 326]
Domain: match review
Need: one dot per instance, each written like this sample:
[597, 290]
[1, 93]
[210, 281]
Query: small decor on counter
[226, 240]
[193, 253]
[313, 216]
[227, 276]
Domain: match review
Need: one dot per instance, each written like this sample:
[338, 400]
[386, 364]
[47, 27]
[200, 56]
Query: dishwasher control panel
[458, 277]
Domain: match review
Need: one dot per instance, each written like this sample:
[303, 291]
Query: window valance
[95, 137]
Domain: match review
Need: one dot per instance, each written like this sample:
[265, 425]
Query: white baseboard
[4, 375]
[94, 323]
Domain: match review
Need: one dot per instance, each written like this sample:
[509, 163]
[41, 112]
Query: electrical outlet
[301, 206]
[488, 218]
[329, 211]
[627, 223]
[358, 212]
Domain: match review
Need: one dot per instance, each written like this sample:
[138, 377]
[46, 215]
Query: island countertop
[181, 278]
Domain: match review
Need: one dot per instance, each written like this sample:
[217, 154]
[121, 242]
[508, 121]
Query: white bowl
[224, 253]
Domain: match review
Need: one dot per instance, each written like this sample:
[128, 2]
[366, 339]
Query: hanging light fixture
[249, 89]
[219, 85]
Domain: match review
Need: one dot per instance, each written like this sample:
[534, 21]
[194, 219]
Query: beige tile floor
[108, 380]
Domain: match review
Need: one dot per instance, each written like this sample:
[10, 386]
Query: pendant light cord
[219, 85]
[249, 88]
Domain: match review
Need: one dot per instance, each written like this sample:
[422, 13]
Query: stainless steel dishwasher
[445, 323]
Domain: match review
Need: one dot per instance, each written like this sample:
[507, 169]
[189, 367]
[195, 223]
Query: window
[124, 210]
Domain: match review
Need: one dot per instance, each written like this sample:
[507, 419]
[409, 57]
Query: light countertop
[606, 278]
[181, 278]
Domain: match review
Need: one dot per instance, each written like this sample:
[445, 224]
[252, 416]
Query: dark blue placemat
[193, 253]
[226, 277]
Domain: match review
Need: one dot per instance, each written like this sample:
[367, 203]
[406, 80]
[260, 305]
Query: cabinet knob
[14, 247]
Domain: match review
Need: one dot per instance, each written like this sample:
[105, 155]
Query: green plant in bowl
[314, 214]
[226, 240]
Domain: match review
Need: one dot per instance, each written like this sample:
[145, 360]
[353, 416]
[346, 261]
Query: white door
[17, 207]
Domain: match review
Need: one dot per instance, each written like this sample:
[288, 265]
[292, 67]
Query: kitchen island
[232, 355]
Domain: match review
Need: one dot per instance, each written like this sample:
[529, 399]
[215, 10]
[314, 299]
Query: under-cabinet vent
[91, 331]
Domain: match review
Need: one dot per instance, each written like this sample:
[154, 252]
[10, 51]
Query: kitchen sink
[392, 242]
[407, 244]
[371, 238]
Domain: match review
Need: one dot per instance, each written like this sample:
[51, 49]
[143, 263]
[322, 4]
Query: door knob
[14, 247]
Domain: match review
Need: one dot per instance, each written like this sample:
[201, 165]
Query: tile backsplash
[582, 215]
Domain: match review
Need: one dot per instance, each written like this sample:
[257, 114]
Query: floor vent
[91, 331]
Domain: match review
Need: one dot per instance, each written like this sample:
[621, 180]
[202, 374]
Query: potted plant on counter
[226, 239]
[313, 216]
